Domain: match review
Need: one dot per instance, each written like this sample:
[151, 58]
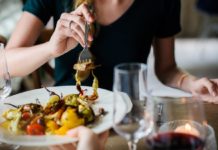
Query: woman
[126, 29]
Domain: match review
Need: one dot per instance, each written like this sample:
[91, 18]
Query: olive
[41, 121]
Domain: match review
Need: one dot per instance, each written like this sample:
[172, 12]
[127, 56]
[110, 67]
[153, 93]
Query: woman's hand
[87, 140]
[206, 89]
[70, 30]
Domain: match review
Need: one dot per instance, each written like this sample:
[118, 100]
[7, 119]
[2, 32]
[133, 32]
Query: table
[116, 142]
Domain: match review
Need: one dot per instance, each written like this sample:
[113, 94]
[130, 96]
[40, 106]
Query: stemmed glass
[5, 88]
[130, 87]
[5, 80]
[179, 124]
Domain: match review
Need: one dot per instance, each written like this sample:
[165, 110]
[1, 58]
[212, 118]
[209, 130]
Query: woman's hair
[79, 2]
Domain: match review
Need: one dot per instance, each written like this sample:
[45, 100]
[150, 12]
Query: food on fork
[60, 114]
[84, 66]
[83, 70]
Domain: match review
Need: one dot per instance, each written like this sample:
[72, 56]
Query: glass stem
[132, 145]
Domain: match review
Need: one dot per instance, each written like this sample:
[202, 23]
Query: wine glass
[179, 124]
[5, 89]
[129, 87]
[5, 80]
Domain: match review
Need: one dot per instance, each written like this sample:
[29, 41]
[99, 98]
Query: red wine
[175, 141]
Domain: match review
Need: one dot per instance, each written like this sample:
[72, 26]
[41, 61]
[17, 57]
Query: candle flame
[188, 127]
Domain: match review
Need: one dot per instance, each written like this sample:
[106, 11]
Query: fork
[85, 55]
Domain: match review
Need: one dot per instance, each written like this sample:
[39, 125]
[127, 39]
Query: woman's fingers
[71, 33]
[210, 85]
[70, 146]
[84, 11]
[53, 148]
[103, 138]
[79, 132]
[75, 23]
[104, 135]
[70, 29]
[210, 99]
[207, 89]
[216, 83]
[74, 18]
[66, 31]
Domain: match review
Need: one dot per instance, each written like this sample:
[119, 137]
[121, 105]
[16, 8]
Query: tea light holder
[188, 129]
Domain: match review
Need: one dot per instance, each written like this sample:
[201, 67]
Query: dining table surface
[115, 142]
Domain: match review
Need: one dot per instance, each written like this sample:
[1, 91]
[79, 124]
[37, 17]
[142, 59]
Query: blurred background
[196, 45]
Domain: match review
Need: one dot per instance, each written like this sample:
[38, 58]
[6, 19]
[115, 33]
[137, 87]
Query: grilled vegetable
[71, 100]
[70, 119]
[35, 129]
[51, 126]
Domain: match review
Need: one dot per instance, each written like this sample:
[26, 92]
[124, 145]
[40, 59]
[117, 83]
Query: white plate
[105, 100]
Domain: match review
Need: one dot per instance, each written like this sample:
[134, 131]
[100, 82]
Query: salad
[60, 114]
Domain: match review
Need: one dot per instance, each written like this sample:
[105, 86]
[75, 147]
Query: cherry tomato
[35, 129]
[25, 115]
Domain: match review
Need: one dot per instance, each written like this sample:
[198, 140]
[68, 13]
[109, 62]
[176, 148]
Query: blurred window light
[10, 12]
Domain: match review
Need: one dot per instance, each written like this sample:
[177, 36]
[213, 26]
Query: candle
[188, 129]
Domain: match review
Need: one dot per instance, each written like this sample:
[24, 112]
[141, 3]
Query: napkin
[155, 87]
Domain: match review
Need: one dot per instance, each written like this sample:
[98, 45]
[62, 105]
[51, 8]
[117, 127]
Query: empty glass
[5, 89]
[130, 86]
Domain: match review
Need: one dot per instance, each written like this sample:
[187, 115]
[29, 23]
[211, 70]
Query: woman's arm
[167, 71]
[165, 65]
[22, 57]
